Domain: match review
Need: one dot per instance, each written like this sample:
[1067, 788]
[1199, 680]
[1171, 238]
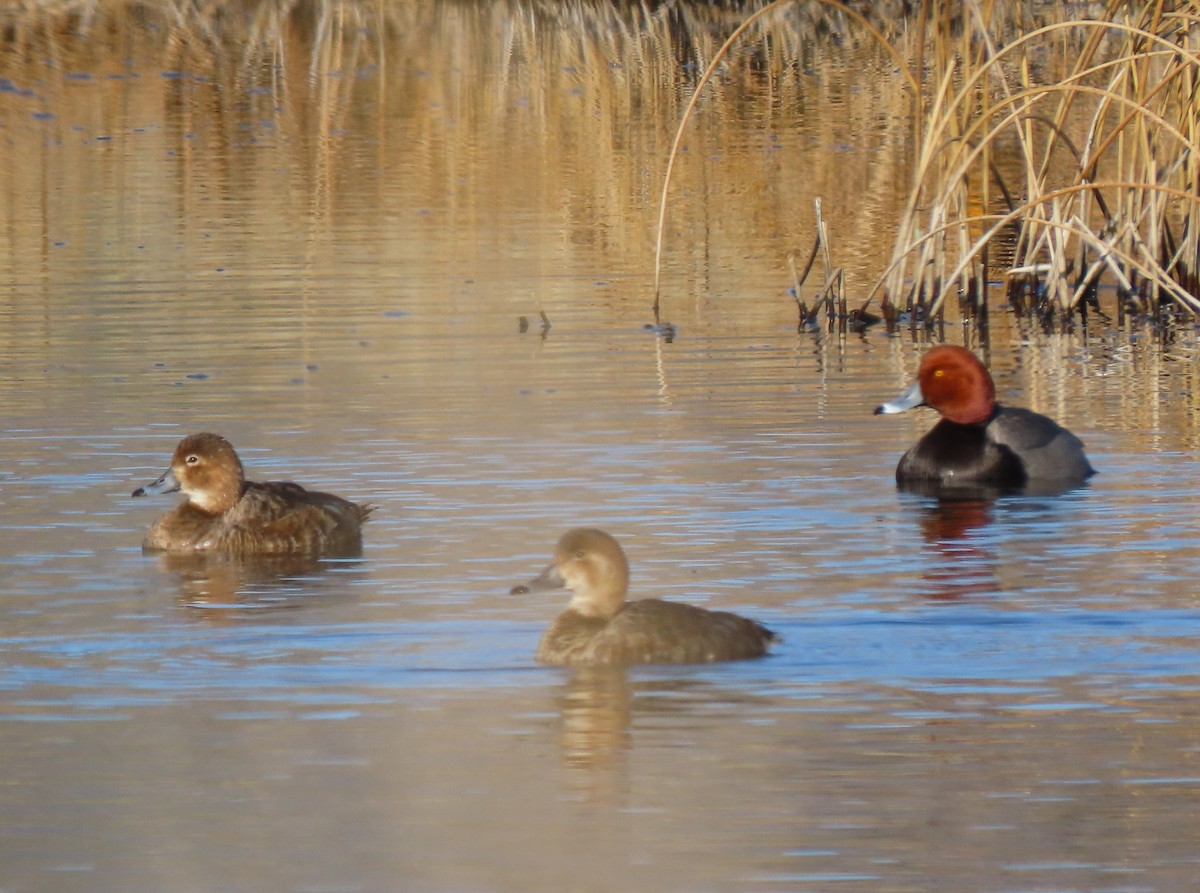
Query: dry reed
[1087, 177]
[1105, 185]
[1067, 183]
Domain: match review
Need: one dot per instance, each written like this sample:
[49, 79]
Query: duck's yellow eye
[938, 373]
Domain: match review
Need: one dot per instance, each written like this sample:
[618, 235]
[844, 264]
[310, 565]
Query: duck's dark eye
[193, 459]
[579, 553]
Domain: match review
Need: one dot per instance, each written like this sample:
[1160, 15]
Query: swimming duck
[978, 442]
[600, 628]
[226, 513]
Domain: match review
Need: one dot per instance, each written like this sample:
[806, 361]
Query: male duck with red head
[978, 443]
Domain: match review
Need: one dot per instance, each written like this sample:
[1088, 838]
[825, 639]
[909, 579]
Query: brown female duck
[600, 628]
[226, 513]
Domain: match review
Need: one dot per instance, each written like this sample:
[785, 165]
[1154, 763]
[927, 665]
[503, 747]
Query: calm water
[325, 255]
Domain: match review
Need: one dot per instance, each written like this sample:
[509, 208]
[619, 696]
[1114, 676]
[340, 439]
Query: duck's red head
[956, 384]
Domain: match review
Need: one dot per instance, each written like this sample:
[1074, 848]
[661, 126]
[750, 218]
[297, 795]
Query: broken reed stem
[801, 307]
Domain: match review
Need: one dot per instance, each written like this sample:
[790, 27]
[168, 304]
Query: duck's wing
[1046, 448]
[652, 631]
[280, 516]
[952, 456]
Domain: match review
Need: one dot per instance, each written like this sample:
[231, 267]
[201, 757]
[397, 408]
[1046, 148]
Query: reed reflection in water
[322, 248]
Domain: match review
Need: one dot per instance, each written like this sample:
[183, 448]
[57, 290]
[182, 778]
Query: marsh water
[334, 247]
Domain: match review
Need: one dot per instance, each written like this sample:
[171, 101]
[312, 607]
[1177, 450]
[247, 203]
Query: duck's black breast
[951, 455]
[653, 632]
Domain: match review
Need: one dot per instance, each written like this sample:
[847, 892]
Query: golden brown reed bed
[1082, 173]
[1077, 138]
[1049, 146]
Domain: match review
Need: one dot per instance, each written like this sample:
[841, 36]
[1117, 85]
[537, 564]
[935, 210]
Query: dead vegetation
[1053, 145]
[1055, 158]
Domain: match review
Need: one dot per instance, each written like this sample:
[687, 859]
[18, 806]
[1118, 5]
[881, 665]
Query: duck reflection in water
[236, 587]
[962, 565]
[228, 514]
[595, 708]
[980, 448]
[600, 709]
[600, 628]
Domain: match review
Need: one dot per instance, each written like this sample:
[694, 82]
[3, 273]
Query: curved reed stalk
[1156, 117]
[1149, 268]
[962, 166]
[695, 98]
[961, 127]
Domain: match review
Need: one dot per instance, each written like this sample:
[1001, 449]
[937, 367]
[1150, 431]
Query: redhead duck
[979, 443]
[226, 513]
[600, 628]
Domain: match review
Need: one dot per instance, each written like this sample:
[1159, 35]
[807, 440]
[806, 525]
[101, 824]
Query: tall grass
[247, 31]
[1050, 153]
[1058, 158]
[1105, 187]
[486, 115]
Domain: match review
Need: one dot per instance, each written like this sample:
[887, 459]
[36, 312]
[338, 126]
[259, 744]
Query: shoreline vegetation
[1097, 113]
[1052, 147]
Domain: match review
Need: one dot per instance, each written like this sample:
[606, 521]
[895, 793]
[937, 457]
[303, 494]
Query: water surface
[327, 259]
